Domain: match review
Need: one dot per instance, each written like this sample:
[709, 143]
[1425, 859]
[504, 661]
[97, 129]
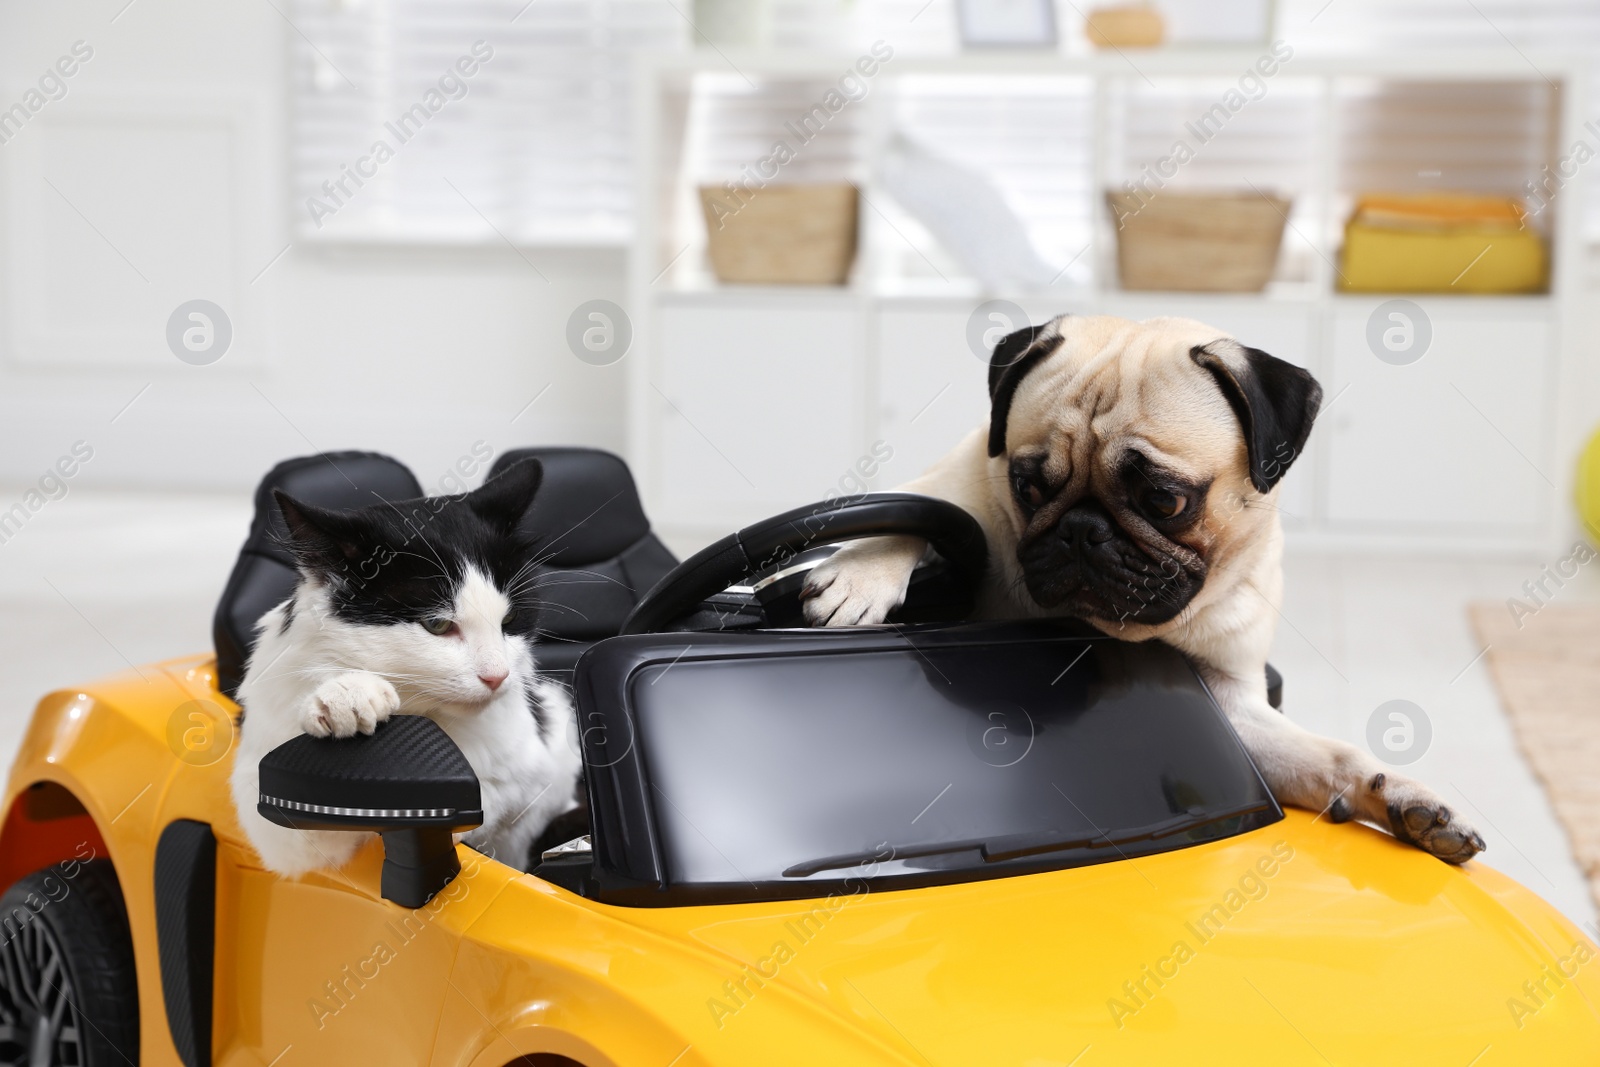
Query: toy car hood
[1300, 942]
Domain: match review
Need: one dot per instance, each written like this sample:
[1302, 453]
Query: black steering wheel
[775, 555]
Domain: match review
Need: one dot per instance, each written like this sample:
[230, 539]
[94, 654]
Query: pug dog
[1128, 477]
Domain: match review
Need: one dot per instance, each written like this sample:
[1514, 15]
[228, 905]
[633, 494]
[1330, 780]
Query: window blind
[393, 139]
[1484, 137]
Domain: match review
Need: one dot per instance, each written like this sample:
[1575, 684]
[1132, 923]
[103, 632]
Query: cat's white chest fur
[526, 776]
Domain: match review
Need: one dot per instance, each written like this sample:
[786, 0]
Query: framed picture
[1007, 23]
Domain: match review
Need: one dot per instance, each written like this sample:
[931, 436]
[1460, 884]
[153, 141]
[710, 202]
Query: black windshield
[930, 756]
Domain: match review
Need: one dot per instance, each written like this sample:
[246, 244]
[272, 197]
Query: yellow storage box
[1441, 243]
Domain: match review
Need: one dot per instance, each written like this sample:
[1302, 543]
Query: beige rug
[1548, 674]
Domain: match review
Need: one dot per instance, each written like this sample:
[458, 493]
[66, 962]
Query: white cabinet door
[756, 406]
[932, 390]
[1452, 443]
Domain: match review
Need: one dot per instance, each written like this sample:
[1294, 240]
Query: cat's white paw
[354, 702]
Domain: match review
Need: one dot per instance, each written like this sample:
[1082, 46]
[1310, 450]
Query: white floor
[99, 581]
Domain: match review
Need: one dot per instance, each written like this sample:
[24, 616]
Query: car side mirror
[406, 781]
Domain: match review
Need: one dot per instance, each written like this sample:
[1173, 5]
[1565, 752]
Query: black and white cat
[424, 605]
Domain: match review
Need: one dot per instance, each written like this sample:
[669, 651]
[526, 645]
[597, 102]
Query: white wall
[159, 178]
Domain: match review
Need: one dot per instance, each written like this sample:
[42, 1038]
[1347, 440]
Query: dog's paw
[1417, 816]
[1436, 829]
[354, 702]
[861, 583]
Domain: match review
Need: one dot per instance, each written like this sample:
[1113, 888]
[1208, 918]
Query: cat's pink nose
[492, 680]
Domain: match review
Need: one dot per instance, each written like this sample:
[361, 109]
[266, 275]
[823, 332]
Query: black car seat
[597, 554]
[264, 575]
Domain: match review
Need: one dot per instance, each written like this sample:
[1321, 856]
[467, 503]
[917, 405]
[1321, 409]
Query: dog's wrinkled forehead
[1084, 385]
[1160, 376]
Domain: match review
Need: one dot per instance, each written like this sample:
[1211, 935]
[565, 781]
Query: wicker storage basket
[783, 234]
[1197, 243]
[1124, 26]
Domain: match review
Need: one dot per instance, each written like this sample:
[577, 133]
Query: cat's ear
[321, 540]
[504, 499]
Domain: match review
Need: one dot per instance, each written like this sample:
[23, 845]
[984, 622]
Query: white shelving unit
[746, 400]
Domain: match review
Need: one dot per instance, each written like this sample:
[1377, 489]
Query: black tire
[68, 992]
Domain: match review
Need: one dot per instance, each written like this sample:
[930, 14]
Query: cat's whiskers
[544, 606]
[596, 575]
[527, 566]
[553, 545]
[551, 581]
[539, 560]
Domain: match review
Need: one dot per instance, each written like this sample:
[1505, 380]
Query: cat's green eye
[438, 627]
[507, 620]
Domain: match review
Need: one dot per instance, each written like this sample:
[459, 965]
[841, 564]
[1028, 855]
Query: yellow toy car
[931, 843]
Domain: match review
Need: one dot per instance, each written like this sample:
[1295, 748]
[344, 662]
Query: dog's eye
[1029, 493]
[1164, 505]
[439, 627]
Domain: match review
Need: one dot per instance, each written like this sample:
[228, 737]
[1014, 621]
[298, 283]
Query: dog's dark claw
[1377, 782]
[1340, 810]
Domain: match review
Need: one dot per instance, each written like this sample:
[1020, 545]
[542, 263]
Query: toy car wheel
[67, 980]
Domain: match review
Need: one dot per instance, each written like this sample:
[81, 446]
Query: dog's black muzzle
[1089, 565]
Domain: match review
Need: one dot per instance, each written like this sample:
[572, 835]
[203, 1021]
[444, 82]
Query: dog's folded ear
[1276, 403]
[1013, 357]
